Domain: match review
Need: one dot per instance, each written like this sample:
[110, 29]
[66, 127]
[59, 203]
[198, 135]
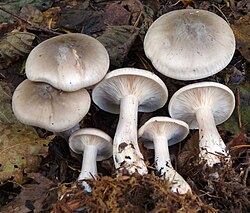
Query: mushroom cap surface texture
[187, 100]
[150, 90]
[68, 62]
[92, 137]
[189, 44]
[41, 105]
[174, 130]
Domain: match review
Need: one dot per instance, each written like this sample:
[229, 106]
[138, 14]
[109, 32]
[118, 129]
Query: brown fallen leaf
[14, 45]
[20, 146]
[21, 150]
[31, 14]
[118, 41]
[241, 30]
[34, 197]
[237, 144]
[115, 14]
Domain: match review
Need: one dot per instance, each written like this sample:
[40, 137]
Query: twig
[145, 63]
[29, 23]
[138, 19]
[238, 107]
[240, 146]
[221, 12]
[136, 22]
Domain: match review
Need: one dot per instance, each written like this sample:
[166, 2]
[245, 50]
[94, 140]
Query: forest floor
[38, 172]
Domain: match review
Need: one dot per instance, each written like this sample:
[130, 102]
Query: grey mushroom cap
[187, 100]
[68, 62]
[174, 130]
[93, 137]
[189, 44]
[150, 90]
[41, 105]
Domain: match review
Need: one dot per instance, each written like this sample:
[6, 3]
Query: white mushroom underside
[129, 90]
[183, 105]
[158, 133]
[94, 145]
[109, 93]
[204, 105]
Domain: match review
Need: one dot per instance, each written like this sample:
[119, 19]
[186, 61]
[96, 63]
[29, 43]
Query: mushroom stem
[212, 147]
[162, 158]
[126, 152]
[164, 166]
[89, 168]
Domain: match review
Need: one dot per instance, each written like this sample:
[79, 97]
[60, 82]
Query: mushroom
[95, 145]
[189, 44]
[41, 105]
[129, 90]
[158, 133]
[68, 62]
[203, 106]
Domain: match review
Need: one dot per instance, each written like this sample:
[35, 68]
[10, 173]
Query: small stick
[16, 16]
[221, 13]
[238, 107]
[29, 23]
[137, 21]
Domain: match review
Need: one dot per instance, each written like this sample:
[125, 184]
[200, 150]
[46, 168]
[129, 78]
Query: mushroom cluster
[186, 44]
[55, 98]
[54, 95]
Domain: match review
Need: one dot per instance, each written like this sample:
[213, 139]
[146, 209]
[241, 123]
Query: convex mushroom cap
[172, 129]
[68, 62]
[189, 44]
[205, 105]
[158, 133]
[95, 145]
[129, 90]
[41, 105]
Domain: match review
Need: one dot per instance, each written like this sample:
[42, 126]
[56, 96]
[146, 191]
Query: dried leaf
[31, 14]
[20, 146]
[52, 15]
[75, 17]
[20, 150]
[241, 30]
[237, 144]
[37, 197]
[118, 41]
[241, 113]
[115, 14]
[141, 15]
[6, 115]
[15, 5]
[13, 45]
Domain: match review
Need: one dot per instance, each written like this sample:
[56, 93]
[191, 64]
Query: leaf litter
[141, 193]
[21, 149]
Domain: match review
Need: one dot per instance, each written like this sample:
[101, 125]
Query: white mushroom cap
[150, 90]
[189, 44]
[175, 130]
[94, 137]
[41, 105]
[68, 62]
[186, 101]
